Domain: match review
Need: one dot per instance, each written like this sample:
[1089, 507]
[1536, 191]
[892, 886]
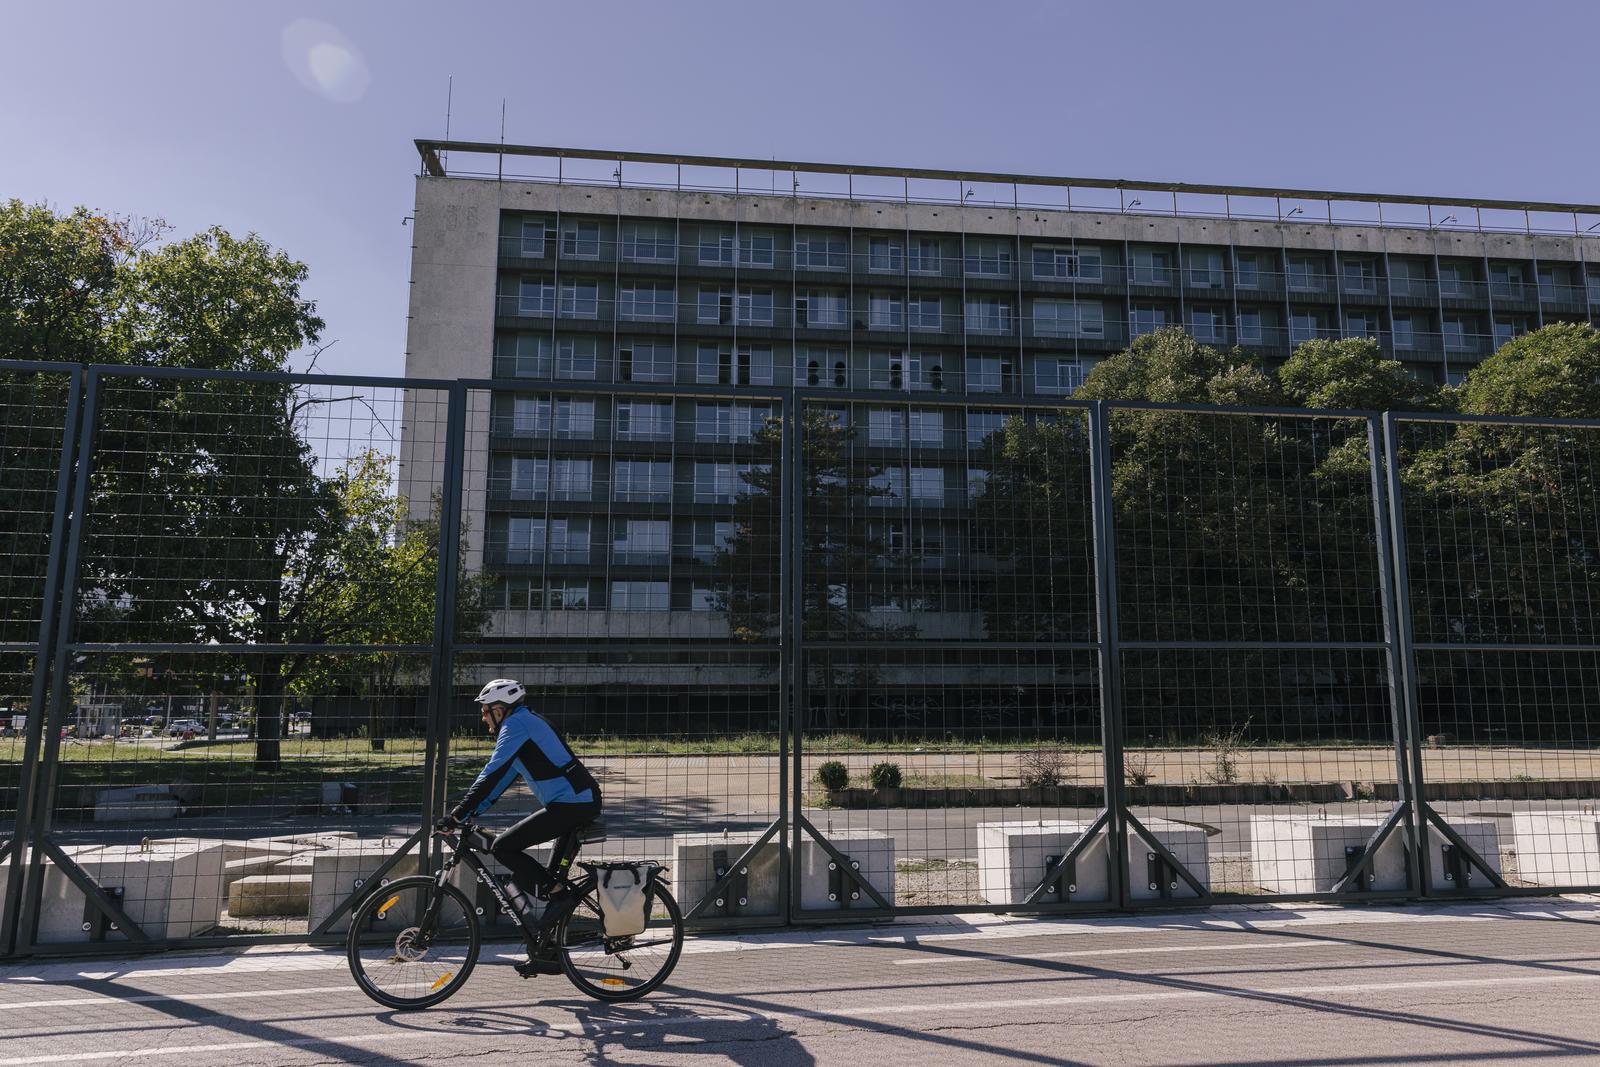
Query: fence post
[792, 725]
[1112, 723]
[1397, 634]
[44, 783]
[16, 857]
[441, 683]
[1412, 732]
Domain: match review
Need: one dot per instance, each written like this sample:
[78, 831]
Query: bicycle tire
[359, 937]
[660, 895]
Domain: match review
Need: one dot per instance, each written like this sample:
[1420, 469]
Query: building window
[641, 541]
[886, 370]
[885, 255]
[927, 485]
[988, 257]
[1305, 275]
[927, 427]
[1205, 269]
[716, 249]
[1403, 332]
[1066, 264]
[821, 251]
[580, 240]
[813, 366]
[1456, 337]
[1303, 326]
[885, 311]
[754, 365]
[580, 300]
[1207, 324]
[1055, 376]
[1146, 318]
[647, 303]
[992, 374]
[1068, 318]
[989, 316]
[535, 234]
[719, 483]
[710, 536]
[526, 355]
[983, 424]
[530, 478]
[924, 313]
[755, 249]
[1360, 275]
[1454, 280]
[639, 596]
[575, 359]
[1246, 272]
[714, 365]
[886, 427]
[926, 256]
[715, 307]
[644, 361]
[569, 596]
[1152, 266]
[642, 481]
[572, 479]
[887, 487]
[728, 422]
[574, 418]
[536, 297]
[649, 242]
[1249, 326]
[820, 309]
[755, 307]
[643, 420]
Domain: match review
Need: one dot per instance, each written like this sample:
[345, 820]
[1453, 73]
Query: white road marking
[599, 1028]
[112, 999]
[1232, 946]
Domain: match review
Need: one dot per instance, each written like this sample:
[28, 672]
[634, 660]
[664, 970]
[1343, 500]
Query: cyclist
[527, 746]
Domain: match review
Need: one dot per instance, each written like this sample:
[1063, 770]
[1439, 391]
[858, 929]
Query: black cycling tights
[544, 825]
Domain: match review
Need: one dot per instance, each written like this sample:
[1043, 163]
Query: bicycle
[436, 936]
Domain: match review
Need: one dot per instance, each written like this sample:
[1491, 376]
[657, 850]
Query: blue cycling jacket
[527, 746]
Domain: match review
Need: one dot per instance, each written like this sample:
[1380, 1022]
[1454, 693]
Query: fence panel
[1497, 522]
[949, 720]
[622, 556]
[237, 724]
[38, 422]
[1260, 755]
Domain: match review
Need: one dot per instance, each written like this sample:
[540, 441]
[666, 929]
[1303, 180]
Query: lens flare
[325, 61]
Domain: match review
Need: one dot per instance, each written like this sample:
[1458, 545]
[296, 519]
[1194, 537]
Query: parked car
[180, 727]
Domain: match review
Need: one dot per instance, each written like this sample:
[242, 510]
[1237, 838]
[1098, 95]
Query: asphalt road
[1510, 982]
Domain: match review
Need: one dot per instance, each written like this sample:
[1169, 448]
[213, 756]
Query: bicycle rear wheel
[395, 960]
[621, 968]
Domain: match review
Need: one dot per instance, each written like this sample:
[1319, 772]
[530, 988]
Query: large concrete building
[598, 511]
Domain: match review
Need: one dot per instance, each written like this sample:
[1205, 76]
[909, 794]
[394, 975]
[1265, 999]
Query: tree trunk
[377, 727]
[269, 718]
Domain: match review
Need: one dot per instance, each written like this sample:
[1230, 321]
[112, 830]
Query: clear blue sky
[244, 115]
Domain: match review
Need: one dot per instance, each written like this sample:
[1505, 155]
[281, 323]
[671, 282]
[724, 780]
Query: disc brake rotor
[408, 946]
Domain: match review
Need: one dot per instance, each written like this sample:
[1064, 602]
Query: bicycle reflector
[388, 904]
[445, 977]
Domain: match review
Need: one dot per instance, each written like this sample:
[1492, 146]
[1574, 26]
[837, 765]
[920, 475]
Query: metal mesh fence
[825, 652]
[1497, 518]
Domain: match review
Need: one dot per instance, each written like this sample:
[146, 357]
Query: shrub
[1044, 767]
[1136, 768]
[885, 776]
[833, 775]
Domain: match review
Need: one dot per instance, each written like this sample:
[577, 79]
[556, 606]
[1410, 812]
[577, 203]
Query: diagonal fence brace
[1462, 847]
[1172, 861]
[92, 892]
[844, 864]
[1079, 847]
[1369, 852]
[733, 870]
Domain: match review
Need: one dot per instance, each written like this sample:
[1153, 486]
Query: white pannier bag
[624, 896]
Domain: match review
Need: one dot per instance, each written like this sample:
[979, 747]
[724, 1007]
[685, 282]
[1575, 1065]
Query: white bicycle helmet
[506, 691]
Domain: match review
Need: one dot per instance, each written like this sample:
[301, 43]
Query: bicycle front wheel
[412, 943]
[621, 968]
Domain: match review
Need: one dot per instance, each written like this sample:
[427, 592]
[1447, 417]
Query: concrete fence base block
[1310, 853]
[172, 889]
[270, 894]
[1557, 848]
[335, 874]
[1013, 858]
[694, 866]
[873, 851]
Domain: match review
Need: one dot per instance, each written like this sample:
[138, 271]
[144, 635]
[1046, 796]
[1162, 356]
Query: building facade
[644, 333]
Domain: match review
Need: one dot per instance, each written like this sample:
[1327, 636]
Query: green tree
[1353, 375]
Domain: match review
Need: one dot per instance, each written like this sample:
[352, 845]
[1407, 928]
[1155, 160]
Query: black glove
[449, 822]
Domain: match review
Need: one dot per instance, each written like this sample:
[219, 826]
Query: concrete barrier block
[171, 889]
[1310, 853]
[136, 804]
[336, 873]
[1557, 848]
[270, 894]
[695, 860]
[1013, 858]
[873, 851]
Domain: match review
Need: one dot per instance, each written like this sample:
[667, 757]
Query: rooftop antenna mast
[500, 172]
[449, 100]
